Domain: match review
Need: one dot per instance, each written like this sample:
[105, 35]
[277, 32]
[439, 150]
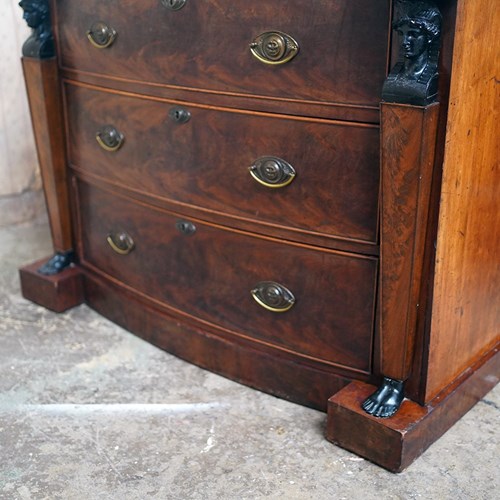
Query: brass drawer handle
[120, 242]
[273, 296]
[109, 138]
[101, 35]
[274, 47]
[173, 4]
[272, 172]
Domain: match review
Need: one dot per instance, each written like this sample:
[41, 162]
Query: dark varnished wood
[246, 362]
[235, 100]
[206, 45]
[210, 274]
[182, 292]
[58, 292]
[408, 138]
[394, 443]
[42, 85]
[278, 232]
[205, 162]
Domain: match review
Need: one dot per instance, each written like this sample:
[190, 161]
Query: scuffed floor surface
[88, 411]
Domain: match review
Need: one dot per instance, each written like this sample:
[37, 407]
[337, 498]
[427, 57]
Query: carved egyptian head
[36, 12]
[419, 28]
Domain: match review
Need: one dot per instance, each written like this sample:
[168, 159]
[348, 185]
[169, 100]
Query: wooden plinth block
[58, 292]
[394, 443]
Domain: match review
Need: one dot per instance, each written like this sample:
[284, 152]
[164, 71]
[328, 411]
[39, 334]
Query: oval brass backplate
[273, 296]
[272, 172]
[274, 47]
[100, 35]
[121, 242]
[109, 138]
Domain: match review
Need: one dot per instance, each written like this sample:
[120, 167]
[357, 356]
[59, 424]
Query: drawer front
[205, 162]
[209, 273]
[342, 53]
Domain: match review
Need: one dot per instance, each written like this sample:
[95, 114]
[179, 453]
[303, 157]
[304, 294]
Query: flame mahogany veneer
[146, 147]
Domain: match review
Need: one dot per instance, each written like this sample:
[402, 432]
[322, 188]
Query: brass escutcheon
[185, 227]
[274, 47]
[109, 138]
[272, 172]
[273, 296]
[100, 35]
[120, 242]
[179, 115]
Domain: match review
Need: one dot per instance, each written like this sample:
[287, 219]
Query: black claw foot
[57, 263]
[386, 400]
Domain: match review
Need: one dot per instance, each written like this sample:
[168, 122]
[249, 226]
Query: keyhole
[185, 227]
[179, 115]
[174, 4]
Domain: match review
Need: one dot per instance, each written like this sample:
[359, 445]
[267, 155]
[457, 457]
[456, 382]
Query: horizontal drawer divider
[308, 119]
[354, 113]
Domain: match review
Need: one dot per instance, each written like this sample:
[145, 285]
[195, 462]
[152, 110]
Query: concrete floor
[88, 411]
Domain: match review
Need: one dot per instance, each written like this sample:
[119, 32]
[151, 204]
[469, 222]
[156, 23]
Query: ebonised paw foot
[386, 400]
[60, 261]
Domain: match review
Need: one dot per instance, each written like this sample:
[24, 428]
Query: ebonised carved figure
[413, 81]
[414, 78]
[58, 262]
[40, 44]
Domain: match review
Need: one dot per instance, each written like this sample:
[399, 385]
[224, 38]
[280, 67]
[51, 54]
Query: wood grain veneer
[206, 161]
[209, 275]
[353, 236]
[205, 45]
[466, 312]
[42, 83]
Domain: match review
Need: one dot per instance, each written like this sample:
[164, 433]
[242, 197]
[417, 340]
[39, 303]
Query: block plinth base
[58, 292]
[394, 443]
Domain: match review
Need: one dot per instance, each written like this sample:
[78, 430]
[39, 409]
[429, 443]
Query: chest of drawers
[223, 181]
